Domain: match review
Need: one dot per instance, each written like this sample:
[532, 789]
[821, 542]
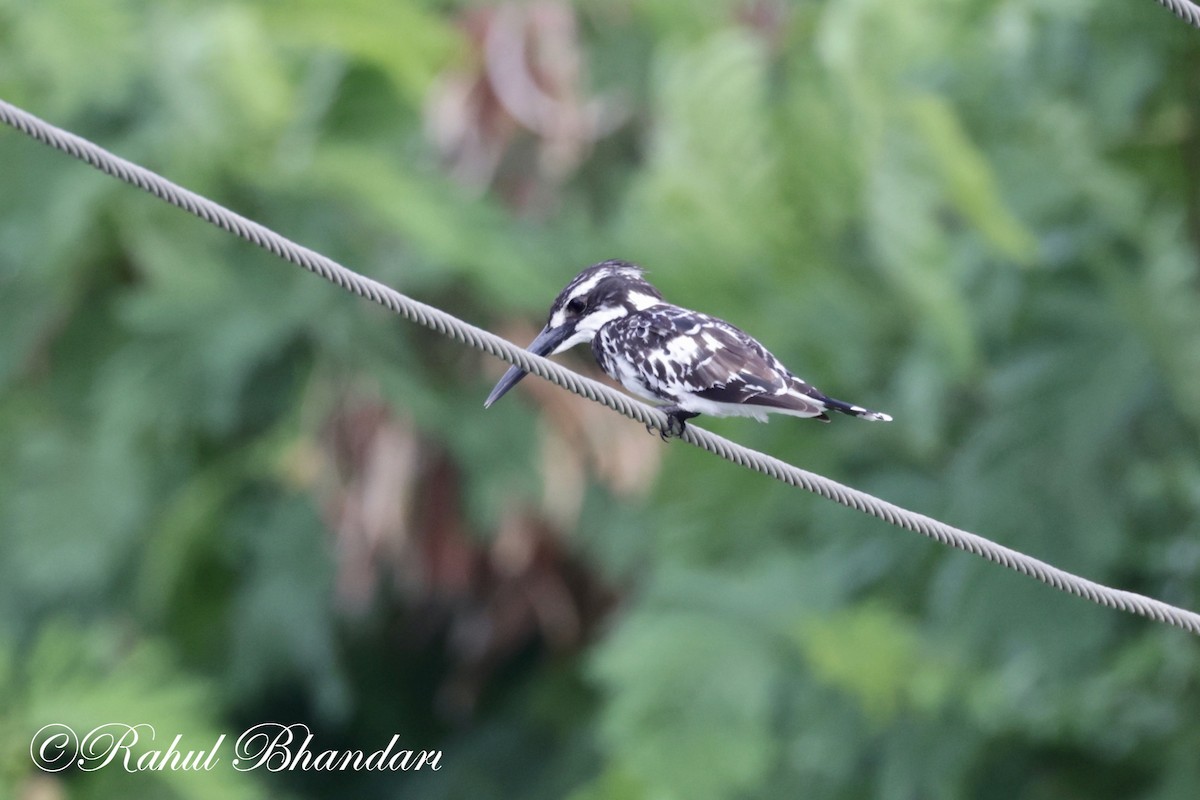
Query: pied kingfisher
[695, 363]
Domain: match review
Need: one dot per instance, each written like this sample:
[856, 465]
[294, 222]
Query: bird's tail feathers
[857, 411]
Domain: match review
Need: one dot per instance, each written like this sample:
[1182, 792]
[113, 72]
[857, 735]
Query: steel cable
[1186, 10]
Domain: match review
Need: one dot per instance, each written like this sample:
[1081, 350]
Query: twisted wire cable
[480, 339]
[1186, 10]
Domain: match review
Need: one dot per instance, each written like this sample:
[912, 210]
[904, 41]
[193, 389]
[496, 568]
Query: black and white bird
[694, 363]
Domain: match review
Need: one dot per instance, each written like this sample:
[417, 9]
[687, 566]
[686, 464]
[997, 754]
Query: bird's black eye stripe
[576, 305]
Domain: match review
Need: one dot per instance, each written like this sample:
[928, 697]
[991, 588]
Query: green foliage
[94, 677]
[978, 217]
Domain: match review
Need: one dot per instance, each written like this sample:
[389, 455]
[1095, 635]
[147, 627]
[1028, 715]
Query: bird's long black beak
[545, 342]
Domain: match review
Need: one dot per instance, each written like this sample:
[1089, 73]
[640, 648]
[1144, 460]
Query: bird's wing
[719, 362]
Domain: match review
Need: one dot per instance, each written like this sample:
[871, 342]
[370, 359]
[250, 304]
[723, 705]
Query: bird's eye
[576, 305]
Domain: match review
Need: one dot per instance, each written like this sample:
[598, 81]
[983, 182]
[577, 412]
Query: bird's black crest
[610, 282]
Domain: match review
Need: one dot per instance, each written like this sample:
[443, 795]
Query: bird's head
[595, 297]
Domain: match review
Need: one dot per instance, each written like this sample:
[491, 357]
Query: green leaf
[406, 42]
[690, 704]
[875, 655]
[85, 678]
[970, 182]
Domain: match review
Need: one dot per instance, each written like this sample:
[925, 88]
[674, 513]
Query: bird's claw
[676, 422]
[666, 433]
[662, 432]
